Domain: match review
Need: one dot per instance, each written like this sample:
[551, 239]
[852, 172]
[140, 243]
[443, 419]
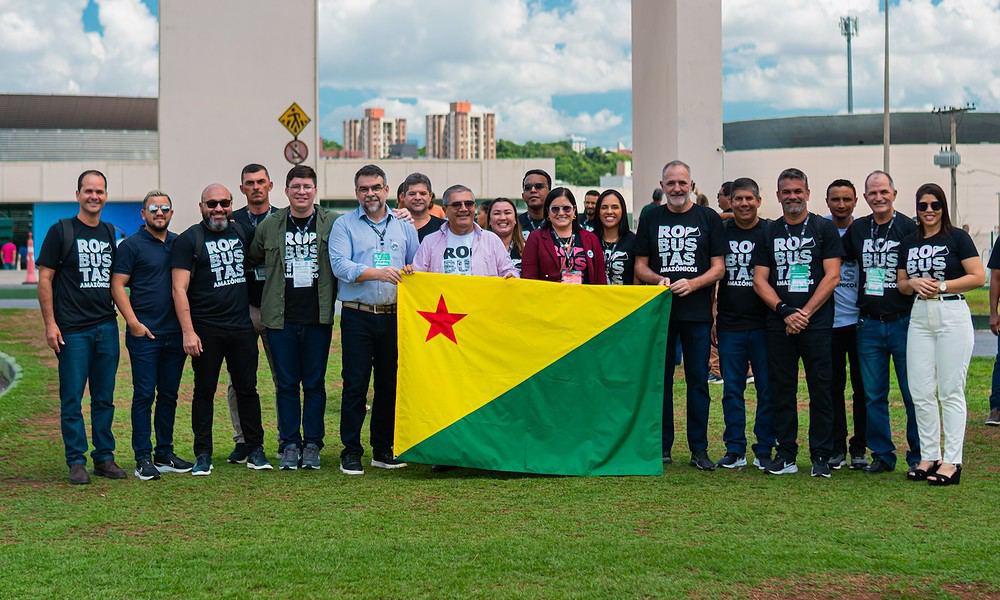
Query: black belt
[945, 297]
[889, 318]
[375, 309]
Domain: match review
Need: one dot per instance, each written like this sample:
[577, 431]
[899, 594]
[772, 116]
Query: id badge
[875, 281]
[260, 273]
[381, 260]
[573, 277]
[302, 273]
[798, 278]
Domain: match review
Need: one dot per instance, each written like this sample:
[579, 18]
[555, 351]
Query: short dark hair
[458, 187]
[935, 190]
[253, 168]
[302, 172]
[79, 180]
[415, 179]
[155, 194]
[793, 173]
[560, 192]
[370, 171]
[726, 189]
[892, 183]
[623, 226]
[840, 183]
[548, 178]
[592, 193]
[744, 184]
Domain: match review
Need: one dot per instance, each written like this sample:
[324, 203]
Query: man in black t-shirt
[74, 293]
[741, 332]
[210, 296]
[795, 275]
[884, 319]
[588, 220]
[535, 186]
[418, 195]
[681, 245]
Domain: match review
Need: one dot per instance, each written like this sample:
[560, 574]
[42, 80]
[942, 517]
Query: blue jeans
[877, 341]
[995, 392]
[369, 345]
[737, 351]
[695, 339]
[156, 374]
[299, 354]
[89, 356]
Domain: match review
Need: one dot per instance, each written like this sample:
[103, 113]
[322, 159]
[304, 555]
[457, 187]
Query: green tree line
[585, 168]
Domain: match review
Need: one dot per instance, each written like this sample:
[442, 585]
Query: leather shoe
[78, 475]
[701, 461]
[879, 466]
[110, 470]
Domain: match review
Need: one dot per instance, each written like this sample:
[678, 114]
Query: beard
[158, 228]
[216, 227]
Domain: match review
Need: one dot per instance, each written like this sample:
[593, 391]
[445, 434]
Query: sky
[548, 69]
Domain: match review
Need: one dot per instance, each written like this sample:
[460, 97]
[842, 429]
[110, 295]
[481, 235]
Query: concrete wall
[228, 70]
[55, 181]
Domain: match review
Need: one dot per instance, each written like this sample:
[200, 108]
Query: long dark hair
[516, 238]
[560, 192]
[933, 189]
[623, 227]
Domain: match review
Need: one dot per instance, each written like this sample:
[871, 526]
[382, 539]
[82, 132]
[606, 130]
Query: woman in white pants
[938, 263]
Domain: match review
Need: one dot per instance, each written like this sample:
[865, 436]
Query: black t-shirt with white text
[81, 288]
[619, 259]
[217, 292]
[681, 246]
[739, 307]
[302, 258]
[937, 257]
[795, 254]
[876, 249]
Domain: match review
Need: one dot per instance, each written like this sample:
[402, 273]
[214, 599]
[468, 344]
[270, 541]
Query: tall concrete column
[228, 70]
[676, 92]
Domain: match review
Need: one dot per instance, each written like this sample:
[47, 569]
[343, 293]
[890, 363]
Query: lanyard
[609, 247]
[875, 226]
[380, 234]
[566, 248]
[532, 224]
[256, 219]
[802, 234]
[302, 230]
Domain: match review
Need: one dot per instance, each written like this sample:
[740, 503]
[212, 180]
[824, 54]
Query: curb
[10, 372]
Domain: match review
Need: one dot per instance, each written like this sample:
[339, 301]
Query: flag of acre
[531, 376]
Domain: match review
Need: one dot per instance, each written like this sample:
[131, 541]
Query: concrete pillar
[228, 70]
[676, 92]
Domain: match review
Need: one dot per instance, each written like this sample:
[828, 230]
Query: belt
[885, 318]
[375, 309]
[945, 297]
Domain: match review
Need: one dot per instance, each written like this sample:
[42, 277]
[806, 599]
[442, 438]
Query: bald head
[216, 206]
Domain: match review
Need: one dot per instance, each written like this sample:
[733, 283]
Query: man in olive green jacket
[297, 311]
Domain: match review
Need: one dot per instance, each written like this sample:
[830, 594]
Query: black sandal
[916, 474]
[953, 479]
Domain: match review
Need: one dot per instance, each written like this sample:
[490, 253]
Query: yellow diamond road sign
[294, 119]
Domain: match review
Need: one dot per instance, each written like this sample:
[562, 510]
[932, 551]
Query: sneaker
[290, 457]
[837, 460]
[385, 460]
[780, 466]
[762, 462]
[110, 470]
[858, 463]
[350, 464]
[667, 459]
[879, 466]
[821, 468]
[145, 471]
[715, 379]
[257, 461]
[78, 475]
[202, 465]
[171, 463]
[994, 417]
[239, 454]
[702, 462]
[732, 460]
[310, 457]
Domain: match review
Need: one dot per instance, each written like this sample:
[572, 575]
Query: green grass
[979, 301]
[18, 293]
[467, 534]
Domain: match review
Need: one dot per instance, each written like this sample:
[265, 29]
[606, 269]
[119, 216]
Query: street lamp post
[849, 29]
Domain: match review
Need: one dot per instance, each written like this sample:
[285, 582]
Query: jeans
[877, 341]
[156, 374]
[369, 344]
[239, 349]
[300, 356]
[784, 351]
[234, 411]
[737, 351]
[694, 338]
[88, 357]
[995, 392]
[845, 350]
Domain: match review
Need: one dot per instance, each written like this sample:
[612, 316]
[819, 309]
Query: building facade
[461, 134]
[374, 134]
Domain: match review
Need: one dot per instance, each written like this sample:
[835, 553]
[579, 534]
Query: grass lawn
[462, 534]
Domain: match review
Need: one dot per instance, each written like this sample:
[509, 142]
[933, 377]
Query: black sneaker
[310, 457]
[702, 462]
[879, 466]
[837, 461]
[385, 460]
[350, 464]
[732, 460]
[145, 471]
[290, 457]
[257, 460]
[858, 463]
[762, 462]
[780, 466]
[667, 459]
[993, 419]
[171, 463]
[821, 468]
[202, 465]
[239, 454]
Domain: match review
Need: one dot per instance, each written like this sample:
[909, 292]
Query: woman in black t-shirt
[617, 239]
[938, 263]
[502, 220]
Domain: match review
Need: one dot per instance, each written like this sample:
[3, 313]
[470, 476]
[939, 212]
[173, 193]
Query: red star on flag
[442, 321]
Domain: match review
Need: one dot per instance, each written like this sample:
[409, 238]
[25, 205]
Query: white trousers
[938, 349]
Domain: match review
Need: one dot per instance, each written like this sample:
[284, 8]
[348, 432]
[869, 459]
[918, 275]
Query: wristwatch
[942, 287]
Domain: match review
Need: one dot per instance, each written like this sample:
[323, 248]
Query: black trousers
[239, 349]
[845, 352]
[813, 346]
[369, 344]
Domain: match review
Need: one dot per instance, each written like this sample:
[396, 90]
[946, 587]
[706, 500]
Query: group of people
[826, 290]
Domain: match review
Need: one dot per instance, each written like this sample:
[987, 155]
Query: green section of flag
[595, 411]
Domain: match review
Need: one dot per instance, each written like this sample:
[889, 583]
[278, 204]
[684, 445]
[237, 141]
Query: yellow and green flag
[531, 376]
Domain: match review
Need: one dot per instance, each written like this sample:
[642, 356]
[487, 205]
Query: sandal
[939, 479]
[918, 474]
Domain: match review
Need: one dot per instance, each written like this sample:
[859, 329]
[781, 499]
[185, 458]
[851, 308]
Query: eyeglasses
[925, 206]
[154, 208]
[375, 189]
[305, 187]
[535, 186]
[214, 203]
[561, 209]
[461, 204]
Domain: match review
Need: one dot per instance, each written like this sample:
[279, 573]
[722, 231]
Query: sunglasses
[561, 209]
[461, 204]
[214, 203]
[925, 206]
[534, 186]
[155, 208]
